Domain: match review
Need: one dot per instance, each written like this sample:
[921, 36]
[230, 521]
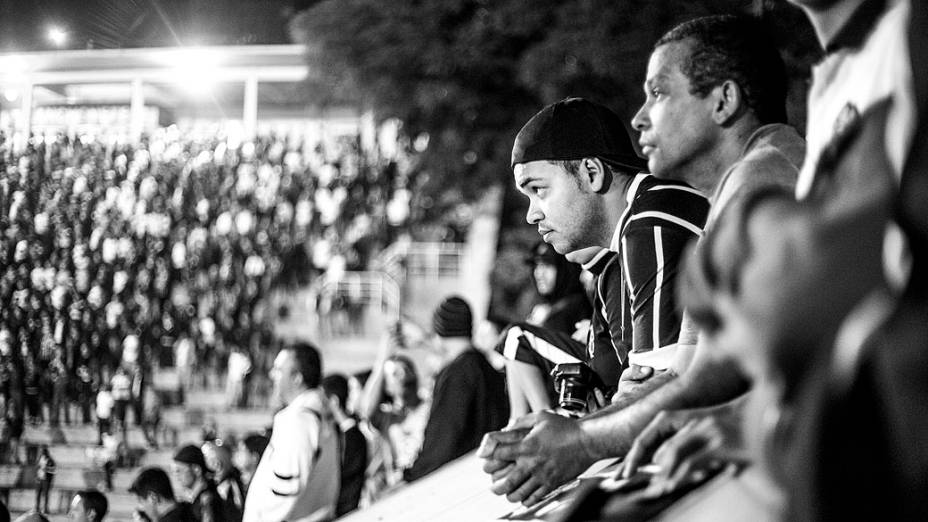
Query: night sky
[101, 24]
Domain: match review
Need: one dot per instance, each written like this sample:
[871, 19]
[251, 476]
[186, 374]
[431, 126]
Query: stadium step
[21, 501]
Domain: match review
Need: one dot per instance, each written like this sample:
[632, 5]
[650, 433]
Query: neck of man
[829, 17]
[705, 172]
[166, 507]
[454, 346]
[615, 203]
[293, 395]
[197, 487]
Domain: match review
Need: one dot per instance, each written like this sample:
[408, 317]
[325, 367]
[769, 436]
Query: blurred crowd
[117, 259]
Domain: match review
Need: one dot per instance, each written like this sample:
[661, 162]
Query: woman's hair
[567, 281]
[410, 382]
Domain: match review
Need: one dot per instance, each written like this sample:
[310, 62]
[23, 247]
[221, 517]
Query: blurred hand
[632, 378]
[581, 331]
[697, 449]
[538, 454]
[664, 426]
[686, 445]
[390, 342]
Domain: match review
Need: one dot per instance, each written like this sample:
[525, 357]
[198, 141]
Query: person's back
[469, 398]
[207, 505]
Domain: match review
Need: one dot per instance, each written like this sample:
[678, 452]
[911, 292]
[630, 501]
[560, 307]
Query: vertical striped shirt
[635, 308]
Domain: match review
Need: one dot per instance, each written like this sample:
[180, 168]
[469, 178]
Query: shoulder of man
[659, 202]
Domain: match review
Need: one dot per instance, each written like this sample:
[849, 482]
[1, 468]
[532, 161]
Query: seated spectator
[156, 501]
[190, 471]
[469, 397]
[88, 505]
[353, 447]
[248, 454]
[228, 479]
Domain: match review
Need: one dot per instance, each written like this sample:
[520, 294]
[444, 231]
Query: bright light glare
[11, 95]
[57, 35]
[195, 71]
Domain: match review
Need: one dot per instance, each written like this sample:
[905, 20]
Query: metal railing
[370, 288]
[402, 260]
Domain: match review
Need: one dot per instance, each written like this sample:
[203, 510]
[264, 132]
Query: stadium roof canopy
[274, 63]
[159, 85]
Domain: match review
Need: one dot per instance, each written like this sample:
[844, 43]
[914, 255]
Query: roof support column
[21, 138]
[137, 111]
[250, 110]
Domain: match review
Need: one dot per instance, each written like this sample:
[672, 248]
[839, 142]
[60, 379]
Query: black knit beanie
[453, 318]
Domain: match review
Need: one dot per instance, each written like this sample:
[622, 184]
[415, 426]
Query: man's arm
[290, 456]
[710, 381]
[544, 451]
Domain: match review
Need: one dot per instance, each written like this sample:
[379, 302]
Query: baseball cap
[573, 129]
[190, 454]
[153, 480]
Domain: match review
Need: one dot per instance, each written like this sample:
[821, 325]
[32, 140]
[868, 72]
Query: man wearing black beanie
[469, 397]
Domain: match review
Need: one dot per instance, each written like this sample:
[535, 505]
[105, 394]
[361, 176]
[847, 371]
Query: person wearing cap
[298, 477]
[155, 497]
[719, 127]
[469, 398]
[190, 471]
[587, 195]
[88, 505]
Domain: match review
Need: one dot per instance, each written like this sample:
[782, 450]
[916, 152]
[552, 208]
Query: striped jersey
[636, 278]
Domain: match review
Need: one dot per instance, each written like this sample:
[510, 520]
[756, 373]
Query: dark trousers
[42, 488]
[103, 426]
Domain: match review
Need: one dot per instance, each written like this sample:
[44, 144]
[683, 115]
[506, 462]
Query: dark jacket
[469, 400]
[182, 512]
[354, 464]
[208, 505]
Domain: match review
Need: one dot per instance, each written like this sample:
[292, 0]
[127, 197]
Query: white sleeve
[283, 473]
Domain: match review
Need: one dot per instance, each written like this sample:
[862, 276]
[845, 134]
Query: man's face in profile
[676, 126]
[568, 215]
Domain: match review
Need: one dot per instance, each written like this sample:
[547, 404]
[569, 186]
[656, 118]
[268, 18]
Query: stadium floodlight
[57, 36]
[195, 70]
[11, 95]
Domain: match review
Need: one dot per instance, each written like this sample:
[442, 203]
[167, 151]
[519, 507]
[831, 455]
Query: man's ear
[728, 101]
[596, 174]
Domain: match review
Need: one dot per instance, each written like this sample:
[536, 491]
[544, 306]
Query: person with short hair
[714, 117]
[156, 501]
[469, 397]
[88, 505]
[248, 454]
[575, 163]
[354, 445]
[190, 471]
[228, 479]
[298, 476]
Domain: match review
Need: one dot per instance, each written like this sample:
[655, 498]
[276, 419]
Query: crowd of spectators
[119, 258]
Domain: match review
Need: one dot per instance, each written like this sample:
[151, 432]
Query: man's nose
[640, 120]
[533, 215]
